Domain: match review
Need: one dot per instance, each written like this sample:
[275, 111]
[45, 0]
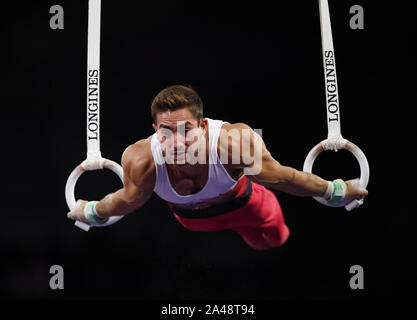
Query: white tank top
[218, 183]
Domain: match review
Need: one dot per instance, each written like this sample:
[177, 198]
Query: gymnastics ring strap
[89, 165]
[334, 139]
[94, 160]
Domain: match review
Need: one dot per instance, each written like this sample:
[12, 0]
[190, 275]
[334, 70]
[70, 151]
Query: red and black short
[256, 215]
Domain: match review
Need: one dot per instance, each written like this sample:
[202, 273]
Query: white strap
[335, 140]
[93, 87]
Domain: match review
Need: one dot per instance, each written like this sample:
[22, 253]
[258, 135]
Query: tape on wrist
[329, 191]
[339, 191]
[91, 214]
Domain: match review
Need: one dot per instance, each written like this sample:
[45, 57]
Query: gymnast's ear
[155, 127]
[203, 124]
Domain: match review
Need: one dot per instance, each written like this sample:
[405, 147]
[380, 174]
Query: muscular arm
[138, 184]
[288, 179]
[266, 171]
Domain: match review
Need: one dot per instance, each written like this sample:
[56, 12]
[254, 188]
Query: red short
[260, 221]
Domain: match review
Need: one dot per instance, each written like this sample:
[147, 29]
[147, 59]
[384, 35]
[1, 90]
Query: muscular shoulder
[239, 145]
[233, 130]
[234, 133]
[231, 137]
[138, 164]
[239, 126]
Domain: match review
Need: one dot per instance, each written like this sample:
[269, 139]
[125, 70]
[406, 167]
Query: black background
[254, 62]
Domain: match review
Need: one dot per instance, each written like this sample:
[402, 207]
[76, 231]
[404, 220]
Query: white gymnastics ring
[363, 163]
[70, 188]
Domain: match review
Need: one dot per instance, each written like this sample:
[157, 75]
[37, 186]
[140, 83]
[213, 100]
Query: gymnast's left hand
[78, 212]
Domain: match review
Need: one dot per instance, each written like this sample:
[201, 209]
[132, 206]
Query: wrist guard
[335, 192]
[91, 214]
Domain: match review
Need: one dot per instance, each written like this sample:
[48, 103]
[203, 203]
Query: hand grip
[363, 163]
[70, 188]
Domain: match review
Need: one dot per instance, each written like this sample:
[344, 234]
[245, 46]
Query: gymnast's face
[181, 135]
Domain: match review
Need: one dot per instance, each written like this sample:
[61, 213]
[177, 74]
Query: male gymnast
[212, 174]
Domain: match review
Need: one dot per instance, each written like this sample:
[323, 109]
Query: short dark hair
[177, 97]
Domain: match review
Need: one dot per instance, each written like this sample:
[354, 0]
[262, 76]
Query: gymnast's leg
[264, 238]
